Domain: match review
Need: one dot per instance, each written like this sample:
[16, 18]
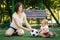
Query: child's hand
[39, 30]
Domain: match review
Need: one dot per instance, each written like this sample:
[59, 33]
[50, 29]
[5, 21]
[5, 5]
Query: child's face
[43, 22]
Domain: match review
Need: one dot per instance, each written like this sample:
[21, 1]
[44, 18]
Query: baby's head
[44, 22]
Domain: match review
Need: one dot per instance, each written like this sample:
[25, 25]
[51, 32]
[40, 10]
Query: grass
[28, 37]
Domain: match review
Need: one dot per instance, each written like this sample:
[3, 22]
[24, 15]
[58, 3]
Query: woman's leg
[9, 32]
[20, 32]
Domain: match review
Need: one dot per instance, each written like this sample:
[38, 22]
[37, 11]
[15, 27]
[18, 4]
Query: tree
[52, 4]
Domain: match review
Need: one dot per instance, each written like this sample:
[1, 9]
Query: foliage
[6, 7]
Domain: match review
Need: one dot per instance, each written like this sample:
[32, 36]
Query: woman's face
[20, 8]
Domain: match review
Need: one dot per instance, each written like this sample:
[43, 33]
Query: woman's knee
[20, 32]
[9, 32]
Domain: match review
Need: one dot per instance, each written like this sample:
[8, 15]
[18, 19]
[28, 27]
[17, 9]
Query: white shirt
[46, 27]
[20, 20]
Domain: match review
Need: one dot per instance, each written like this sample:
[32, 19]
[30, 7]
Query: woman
[17, 19]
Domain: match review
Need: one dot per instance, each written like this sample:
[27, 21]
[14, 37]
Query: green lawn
[28, 37]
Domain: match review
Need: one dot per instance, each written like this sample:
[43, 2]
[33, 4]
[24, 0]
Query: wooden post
[12, 6]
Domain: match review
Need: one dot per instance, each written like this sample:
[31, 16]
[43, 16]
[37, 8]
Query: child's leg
[20, 32]
[50, 33]
[9, 32]
[42, 34]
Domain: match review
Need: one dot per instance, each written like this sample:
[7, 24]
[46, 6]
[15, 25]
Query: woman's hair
[17, 5]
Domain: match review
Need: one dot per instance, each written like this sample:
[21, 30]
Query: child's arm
[45, 29]
[40, 29]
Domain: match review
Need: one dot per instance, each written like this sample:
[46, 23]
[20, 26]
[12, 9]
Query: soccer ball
[34, 32]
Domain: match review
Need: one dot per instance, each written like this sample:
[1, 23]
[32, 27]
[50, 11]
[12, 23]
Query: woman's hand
[30, 29]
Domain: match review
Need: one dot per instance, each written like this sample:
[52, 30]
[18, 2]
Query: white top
[46, 27]
[20, 20]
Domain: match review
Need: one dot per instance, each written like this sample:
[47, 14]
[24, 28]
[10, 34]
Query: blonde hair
[45, 20]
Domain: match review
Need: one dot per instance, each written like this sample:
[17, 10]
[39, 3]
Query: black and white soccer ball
[34, 32]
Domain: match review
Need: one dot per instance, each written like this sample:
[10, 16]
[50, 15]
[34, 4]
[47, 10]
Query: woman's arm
[27, 24]
[18, 25]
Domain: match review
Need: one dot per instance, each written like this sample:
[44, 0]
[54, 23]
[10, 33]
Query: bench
[35, 14]
[41, 14]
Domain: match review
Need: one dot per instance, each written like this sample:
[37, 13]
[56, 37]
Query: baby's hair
[45, 20]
